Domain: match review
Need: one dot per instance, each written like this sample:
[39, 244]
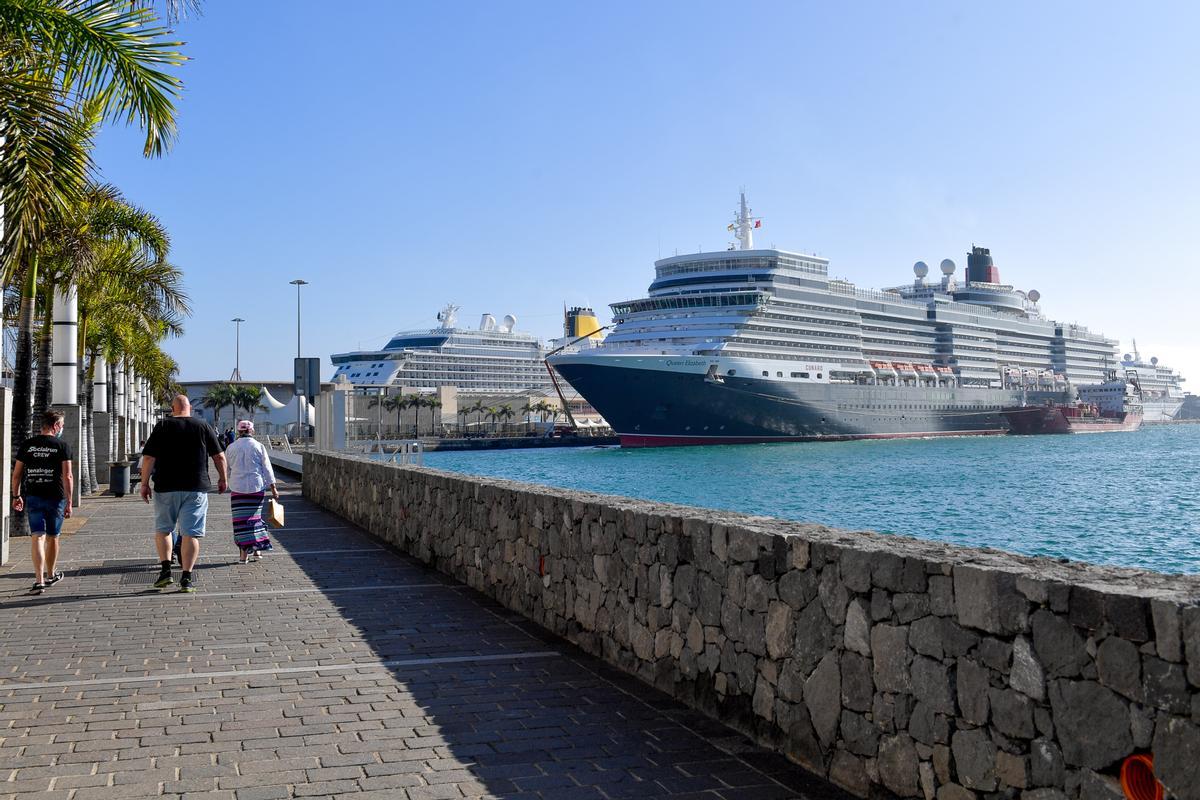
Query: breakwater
[884, 663]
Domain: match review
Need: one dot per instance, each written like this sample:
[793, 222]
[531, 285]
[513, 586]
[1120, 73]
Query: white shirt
[249, 466]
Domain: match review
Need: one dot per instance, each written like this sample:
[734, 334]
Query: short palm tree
[463, 412]
[433, 404]
[219, 396]
[248, 398]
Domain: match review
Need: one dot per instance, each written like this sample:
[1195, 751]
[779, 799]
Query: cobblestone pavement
[332, 668]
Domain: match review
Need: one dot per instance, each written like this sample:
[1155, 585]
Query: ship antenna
[1136, 355]
[743, 225]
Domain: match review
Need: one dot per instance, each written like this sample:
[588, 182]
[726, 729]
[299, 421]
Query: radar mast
[743, 225]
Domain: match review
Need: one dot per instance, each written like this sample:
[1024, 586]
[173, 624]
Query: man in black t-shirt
[177, 455]
[42, 487]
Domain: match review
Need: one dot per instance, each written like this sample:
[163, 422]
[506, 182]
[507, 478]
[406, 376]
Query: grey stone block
[858, 688]
[1168, 631]
[1046, 765]
[897, 763]
[1164, 686]
[1119, 666]
[1060, 649]
[1177, 757]
[1027, 675]
[973, 682]
[988, 600]
[857, 635]
[975, 759]
[931, 684]
[1012, 713]
[823, 697]
[1092, 723]
[858, 734]
[889, 648]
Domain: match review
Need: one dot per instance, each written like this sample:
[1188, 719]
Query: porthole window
[778, 374]
[766, 374]
[818, 376]
[731, 372]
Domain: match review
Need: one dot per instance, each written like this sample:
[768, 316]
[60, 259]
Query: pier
[335, 667]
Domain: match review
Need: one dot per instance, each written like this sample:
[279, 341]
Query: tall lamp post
[237, 349]
[299, 407]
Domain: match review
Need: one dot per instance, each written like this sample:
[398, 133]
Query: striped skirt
[249, 532]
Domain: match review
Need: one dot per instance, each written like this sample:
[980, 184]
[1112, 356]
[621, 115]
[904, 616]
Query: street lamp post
[299, 407]
[237, 349]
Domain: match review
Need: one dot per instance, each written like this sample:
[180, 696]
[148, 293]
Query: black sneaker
[164, 579]
[186, 586]
[37, 587]
[53, 579]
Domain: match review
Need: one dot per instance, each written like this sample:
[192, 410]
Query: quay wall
[892, 666]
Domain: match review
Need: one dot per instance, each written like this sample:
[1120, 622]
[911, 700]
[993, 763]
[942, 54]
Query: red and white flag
[758, 223]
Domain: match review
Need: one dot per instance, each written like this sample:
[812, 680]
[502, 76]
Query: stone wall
[893, 666]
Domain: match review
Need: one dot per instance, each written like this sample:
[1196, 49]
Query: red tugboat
[1114, 405]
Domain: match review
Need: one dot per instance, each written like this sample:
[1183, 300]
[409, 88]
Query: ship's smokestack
[980, 268]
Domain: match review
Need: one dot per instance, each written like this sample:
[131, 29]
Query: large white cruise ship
[754, 345]
[1161, 386]
[494, 358]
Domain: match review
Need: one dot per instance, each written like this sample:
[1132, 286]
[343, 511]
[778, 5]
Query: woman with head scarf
[250, 477]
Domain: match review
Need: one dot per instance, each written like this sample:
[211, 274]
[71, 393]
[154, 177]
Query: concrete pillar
[101, 429]
[65, 369]
[6, 455]
[72, 428]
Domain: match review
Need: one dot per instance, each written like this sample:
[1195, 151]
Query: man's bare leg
[162, 543]
[39, 566]
[51, 557]
[189, 553]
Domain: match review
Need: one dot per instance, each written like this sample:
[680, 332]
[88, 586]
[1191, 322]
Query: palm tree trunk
[22, 418]
[41, 395]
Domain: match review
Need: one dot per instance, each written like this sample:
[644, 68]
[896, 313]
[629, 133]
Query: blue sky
[513, 157]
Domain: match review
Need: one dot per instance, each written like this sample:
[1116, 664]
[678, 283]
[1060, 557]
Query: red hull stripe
[650, 440]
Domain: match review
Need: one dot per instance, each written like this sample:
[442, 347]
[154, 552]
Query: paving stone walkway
[332, 668]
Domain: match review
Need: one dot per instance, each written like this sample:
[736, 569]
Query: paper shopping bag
[274, 514]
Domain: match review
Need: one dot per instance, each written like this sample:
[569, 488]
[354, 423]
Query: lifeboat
[943, 370]
[902, 367]
[882, 366]
[923, 368]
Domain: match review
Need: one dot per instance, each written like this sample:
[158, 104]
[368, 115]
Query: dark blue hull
[653, 407]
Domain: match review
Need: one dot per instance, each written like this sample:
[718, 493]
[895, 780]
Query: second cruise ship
[759, 345]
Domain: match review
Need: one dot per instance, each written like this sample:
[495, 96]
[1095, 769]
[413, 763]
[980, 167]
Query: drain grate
[114, 568]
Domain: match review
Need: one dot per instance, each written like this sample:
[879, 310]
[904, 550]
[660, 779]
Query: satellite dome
[920, 269]
[1154, 361]
[1034, 295]
[948, 267]
[510, 322]
[1128, 357]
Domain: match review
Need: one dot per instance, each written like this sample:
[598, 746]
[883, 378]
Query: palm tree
[416, 402]
[218, 396]
[527, 411]
[507, 413]
[433, 404]
[65, 67]
[463, 411]
[479, 408]
[249, 398]
[493, 414]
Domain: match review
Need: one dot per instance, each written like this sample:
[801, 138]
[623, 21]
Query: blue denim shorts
[188, 510]
[45, 515]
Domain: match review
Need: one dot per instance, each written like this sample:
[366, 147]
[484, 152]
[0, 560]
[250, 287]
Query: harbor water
[1129, 499]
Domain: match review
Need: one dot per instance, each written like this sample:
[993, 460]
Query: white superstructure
[493, 358]
[1162, 390]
